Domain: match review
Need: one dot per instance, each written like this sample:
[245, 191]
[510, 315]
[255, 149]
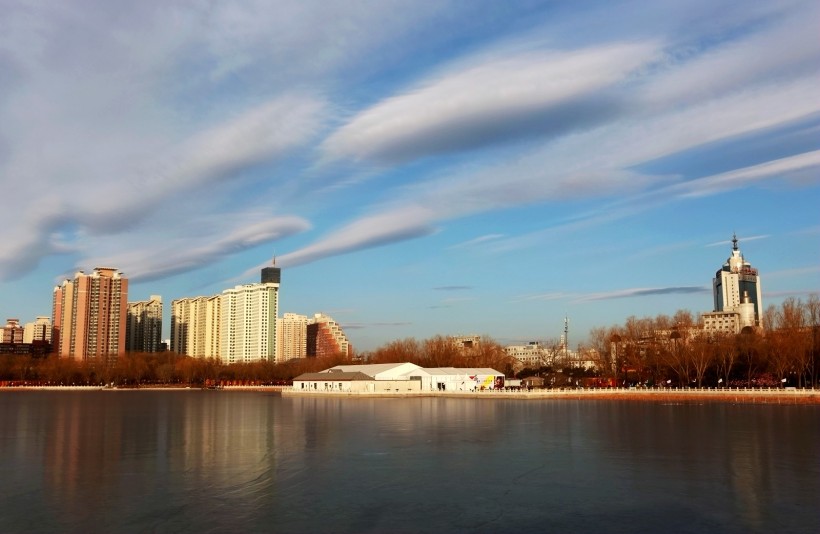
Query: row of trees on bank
[651, 351]
[135, 369]
[656, 350]
[168, 368]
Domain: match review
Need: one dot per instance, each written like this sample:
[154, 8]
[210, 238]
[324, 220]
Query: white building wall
[292, 336]
[248, 325]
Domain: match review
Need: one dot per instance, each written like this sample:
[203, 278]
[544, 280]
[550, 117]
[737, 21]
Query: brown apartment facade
[89, 316]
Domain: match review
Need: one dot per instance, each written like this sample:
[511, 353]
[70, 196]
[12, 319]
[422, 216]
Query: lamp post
[614, 340]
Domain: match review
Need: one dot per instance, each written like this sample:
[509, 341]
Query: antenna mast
[566, 339]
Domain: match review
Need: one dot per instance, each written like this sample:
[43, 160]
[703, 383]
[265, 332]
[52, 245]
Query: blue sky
[417, 168]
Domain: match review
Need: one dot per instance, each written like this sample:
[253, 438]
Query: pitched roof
[373, 369]
[337, 376]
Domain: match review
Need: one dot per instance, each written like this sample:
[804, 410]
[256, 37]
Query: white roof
[379, 371]
[393, 371]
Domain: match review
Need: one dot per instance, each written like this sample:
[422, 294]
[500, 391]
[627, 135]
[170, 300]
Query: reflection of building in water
[82, 452]
[751, 471]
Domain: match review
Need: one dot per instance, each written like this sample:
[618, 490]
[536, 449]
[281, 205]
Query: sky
[415, 168]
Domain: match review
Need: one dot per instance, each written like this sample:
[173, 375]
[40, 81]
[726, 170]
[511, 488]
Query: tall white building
[736, 289]
[292, 337]
[195, 324]
[248, 324]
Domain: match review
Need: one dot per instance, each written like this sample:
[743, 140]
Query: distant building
[38, 331]
[89, 315]
[325, 338]
[292, 337]
[12, 332]
[143, 331]
[397, 378]
[531, 355]
[724, 322]
[466, 342]
[738, 300]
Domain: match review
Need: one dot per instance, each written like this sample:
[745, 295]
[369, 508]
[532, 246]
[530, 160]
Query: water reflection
[219, 461]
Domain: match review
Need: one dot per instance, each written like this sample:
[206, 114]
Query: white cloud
[478, 241]
[643, 292]
[780, 168]
[175, 255]
[786, 46]
[489, 102]
[119, 192]
[406, 222]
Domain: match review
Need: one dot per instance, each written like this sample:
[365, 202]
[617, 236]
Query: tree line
[168, 368]
[661, 350]
[136, 369]
[672, 350]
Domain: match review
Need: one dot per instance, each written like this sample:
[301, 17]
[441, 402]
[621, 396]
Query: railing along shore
[737, 395]
[753, 395]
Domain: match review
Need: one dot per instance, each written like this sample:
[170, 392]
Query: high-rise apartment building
[195, 324]
[236, 326]
[89, 315]
[292, 337]
[143, 331]
[326, 338]
[736, 289]
[248, 324]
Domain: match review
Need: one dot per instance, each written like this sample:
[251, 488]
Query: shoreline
[733, 396]
[740, 396]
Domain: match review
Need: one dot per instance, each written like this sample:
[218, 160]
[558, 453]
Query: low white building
[398, 377]
[378, 371]
[351, 382]
[458, 378]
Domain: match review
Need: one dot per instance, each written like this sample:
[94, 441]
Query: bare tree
[702, 354]
[726, 356]
[813, 323]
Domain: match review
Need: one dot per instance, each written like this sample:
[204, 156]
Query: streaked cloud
[478, 240]
[452, 288]
[741, 238]
[490, 101]
[185, 144]
[367, 232]
[645, 292]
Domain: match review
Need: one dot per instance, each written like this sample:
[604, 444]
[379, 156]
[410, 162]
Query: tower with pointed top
[736, 288]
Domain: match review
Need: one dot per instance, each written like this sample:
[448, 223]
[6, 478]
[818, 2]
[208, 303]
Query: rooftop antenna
[566, 337]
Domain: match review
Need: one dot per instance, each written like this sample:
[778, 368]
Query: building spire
[734, 241]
